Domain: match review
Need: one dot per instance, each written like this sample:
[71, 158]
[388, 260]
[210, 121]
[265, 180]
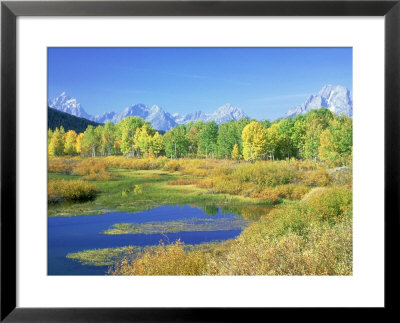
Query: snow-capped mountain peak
[336, 98]
[67, 104]
[160, 119]
[229, 109]
[222, 114]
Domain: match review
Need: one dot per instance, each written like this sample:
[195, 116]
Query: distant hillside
[69, 122]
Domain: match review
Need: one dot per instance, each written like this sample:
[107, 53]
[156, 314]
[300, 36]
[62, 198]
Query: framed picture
[186, 202]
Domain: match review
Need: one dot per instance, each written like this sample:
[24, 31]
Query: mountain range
[337, 98]
[160, 119]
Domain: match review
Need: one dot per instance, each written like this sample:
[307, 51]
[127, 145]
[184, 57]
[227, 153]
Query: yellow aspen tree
[235, 152]
[79, 143]
[137, 139]
[70, 142]
[254, 141]
[49, 135]
[142, 139]
[57, 142]
[117, 144]
[150, 154]
[157, 143]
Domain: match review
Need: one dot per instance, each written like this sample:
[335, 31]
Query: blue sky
[264, 82]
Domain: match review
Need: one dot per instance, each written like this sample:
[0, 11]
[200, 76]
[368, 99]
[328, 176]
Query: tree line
[56, 119]
[317, 135]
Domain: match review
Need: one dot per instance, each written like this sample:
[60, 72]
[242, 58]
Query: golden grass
[310, 237]
[74, 190]
[163, 260]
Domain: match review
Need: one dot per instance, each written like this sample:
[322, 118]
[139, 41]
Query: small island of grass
[186, 225]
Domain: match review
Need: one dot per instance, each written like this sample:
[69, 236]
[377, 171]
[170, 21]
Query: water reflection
[248, 212]
[85, 232]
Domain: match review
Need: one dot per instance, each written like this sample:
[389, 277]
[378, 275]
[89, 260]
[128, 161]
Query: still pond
[192, 225]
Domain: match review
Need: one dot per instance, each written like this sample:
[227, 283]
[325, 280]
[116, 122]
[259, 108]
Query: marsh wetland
[197, 217]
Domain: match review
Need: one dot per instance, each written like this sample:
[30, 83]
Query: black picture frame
[10, 10]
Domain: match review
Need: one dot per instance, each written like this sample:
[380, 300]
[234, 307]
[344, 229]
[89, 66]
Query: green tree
[336, 142]
[176, 143]
[108, 137]
[265, 124]
[239, 125]
[193, 130]
[298, 136]
[90, 141]
[127, 128]
[208, 138]
[312, 138]
[286, 145]
[272, 140]
[228, 137]
[100, 147]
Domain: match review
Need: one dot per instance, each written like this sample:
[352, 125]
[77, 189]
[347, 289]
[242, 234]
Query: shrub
[311, 237]
[93, 169]
[275, 194]
[227, 184]
[131, 163]
[319, 177]
[125, 192]
[161, 161]
[172, 165]
[90, 166]
[74, 190]
[205, 183]
[182, 181]
[194, 171]
[291, 192]
[61, 165]
[303, 165]
[162, 260]
[343, 176]
[220, 171]
[140, 164]
[269, 194]
[266, 173]
[332, 204]
[99, 176]
[137, 189]
[326, 251]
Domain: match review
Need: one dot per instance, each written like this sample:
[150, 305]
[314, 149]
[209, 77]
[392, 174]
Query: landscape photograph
[174, 161]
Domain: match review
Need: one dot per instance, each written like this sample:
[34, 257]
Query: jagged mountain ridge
[223, 114]
[337, 99]
[160, 119]
[65, 103]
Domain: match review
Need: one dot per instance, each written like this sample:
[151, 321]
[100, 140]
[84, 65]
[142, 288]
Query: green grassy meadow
[118, 195]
